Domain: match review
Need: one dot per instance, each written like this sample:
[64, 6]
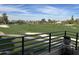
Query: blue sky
[39, 11]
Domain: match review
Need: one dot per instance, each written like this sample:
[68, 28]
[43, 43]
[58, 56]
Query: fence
[35, 44]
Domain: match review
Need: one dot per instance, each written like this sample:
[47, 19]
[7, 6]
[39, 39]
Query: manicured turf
[23, 28]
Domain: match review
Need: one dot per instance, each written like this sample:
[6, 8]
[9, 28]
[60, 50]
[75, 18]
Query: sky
[40, 11]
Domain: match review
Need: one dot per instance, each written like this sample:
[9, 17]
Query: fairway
[23, 28]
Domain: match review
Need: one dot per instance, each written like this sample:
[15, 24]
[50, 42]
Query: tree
[43, 21]
[72, 18]
[1, 21]
[20, 21]
[77, 21]
[49, 21]
[71, 21]
[5, 18]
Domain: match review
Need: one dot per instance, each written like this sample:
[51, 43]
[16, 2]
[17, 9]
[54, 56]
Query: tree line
[4, 20]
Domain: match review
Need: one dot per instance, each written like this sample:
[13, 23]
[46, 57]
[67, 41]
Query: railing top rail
[7, 38]
[11, 35]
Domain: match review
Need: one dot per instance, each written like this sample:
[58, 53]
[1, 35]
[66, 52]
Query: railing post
[49, 42]
[65, 33]
[76, 41]
[0, 36]
[22, 45]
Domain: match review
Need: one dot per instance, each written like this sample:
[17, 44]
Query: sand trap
[69, 24]
[4, 26]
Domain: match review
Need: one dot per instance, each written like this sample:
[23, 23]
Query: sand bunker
[4, 26]
[69, 24]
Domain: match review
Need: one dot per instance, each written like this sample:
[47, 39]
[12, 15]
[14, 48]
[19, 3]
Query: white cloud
[53, 10]
[12, 9]
[50, 12]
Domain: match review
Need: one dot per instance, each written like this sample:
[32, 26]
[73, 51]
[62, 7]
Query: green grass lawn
[23, 28]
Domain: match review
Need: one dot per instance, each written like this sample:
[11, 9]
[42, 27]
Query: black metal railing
[36, 44]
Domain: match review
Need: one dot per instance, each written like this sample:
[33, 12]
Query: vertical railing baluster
[22, 45]
[49, 42]
[0, 36]
[76, 41]
[65, 33]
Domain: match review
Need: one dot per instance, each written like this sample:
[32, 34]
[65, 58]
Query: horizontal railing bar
[35, 34]
[10, 43]
[57, 46]
[56, 43]
[54, 40]
[73, 40]
[58, 34]
[37, 48]
[56, 37]
[71, 31]
[12, 35]
[10, 48]
[73, 45]
[7, 38]
[37, 42]
[57, 40]
[71, 34]
[35, 38]
[36, 45]
[43, 48]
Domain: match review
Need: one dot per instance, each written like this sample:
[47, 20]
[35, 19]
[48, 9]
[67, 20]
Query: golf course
[23, 28]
